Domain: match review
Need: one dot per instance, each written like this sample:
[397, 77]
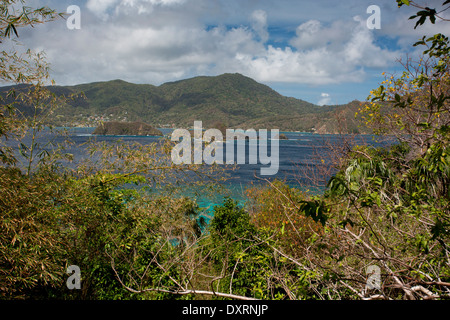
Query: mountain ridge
[229, 99]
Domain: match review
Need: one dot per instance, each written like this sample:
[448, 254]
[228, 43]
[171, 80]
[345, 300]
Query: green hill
[233, 100]
[136, 128]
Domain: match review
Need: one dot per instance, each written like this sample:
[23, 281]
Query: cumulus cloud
[99, 7]
[106, 8]
[348, 42]
[320, 55]
[325, 99]
[259, 18]
[312, 34]
[154, 41]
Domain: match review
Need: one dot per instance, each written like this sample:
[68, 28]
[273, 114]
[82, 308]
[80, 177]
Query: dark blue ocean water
[296, 154]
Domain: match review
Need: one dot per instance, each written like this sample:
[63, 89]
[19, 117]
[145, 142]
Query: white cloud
[334, 54]
[325, 99]
[153, 41]
[116, 7]
[99, 7]
[321, 55]
[312, 34]
[259, 18]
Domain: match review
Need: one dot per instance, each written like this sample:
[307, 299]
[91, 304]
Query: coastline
[189, 128]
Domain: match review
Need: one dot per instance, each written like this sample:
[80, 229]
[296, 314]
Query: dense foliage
[137, 128]
[380, 230]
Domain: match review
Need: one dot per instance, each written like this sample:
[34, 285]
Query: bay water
[298, 152]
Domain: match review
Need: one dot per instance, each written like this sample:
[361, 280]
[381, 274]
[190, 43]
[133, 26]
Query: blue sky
[320, 51]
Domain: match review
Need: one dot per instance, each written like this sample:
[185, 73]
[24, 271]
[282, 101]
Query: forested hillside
[230, 99]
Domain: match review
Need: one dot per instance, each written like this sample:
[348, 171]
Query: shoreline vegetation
[119, 226]
[282, 135]
[136, 128]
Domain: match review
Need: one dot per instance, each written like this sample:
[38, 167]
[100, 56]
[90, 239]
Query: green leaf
[23, 150]
[402, 2]
[316, 209]
[8, 30]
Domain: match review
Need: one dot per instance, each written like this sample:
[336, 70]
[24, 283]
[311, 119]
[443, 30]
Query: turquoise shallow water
[294, 154]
